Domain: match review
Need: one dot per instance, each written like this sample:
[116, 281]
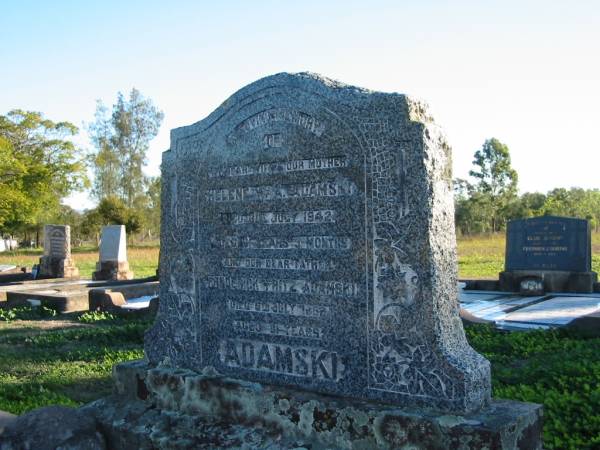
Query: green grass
[481, 257]
[70, 364]
[143, 260]
[62, 360]
[68, 359]
[558, 368]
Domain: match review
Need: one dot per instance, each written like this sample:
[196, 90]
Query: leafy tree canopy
[121, 140]
[493, 171]
[39, 166]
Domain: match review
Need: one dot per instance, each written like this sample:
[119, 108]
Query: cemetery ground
[143, 259]
[67, 359]
[478, 257]
[481, 257]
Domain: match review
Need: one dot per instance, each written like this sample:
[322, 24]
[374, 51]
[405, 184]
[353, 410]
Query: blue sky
[525, 72]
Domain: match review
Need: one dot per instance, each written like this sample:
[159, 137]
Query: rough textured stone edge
[112, 270]
[468, 371]
[326, 420]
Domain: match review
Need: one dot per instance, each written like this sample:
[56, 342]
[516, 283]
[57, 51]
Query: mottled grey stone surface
[57, 261]
[308, 241]
[52, 428]
[57, 241]
[175, 409]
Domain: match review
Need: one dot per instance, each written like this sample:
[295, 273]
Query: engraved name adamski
[298, 361]
[306, 241]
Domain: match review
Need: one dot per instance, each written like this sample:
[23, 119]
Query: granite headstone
[549, 243]
[57, 261]
[113, 264]
[555, 250]
[307, 240]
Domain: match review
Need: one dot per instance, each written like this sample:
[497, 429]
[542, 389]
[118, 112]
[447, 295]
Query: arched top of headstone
[307, 239]
[313, 87]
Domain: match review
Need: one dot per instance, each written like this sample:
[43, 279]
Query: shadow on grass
[22, 396]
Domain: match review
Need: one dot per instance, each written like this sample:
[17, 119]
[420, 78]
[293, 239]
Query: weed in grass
[96, 316]
[26, 313]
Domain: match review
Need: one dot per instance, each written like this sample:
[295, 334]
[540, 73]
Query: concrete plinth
[166, 407]
[57, 267]
[57, 261]
[112, 270]
[552, 280]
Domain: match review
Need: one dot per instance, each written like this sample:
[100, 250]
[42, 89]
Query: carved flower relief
[182, 198]
[183, 320]
[396, 287]
[402, 362]
[398, 281]
[390, 371]
[181, 276]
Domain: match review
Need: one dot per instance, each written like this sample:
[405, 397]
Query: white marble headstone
[113, 245]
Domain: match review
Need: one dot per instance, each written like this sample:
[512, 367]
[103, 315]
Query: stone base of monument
[58, 300]
[552, 280]
[112, 270]
[164, 407]
[67, 295]
[53, 267]
[18, 274]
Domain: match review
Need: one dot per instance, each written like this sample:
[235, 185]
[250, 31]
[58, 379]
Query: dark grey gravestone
[308, 241]
[549, 243]
[556, 250]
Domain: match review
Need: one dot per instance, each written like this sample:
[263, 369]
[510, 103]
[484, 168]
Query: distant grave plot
[548, 243]
[548, 254]
[57, 261]
[113, 264]
[308, 241]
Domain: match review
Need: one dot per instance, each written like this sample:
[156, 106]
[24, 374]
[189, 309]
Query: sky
[524, 72]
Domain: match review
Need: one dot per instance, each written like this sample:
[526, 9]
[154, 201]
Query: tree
[576, 202]
[110, 211]
[121, 142]
[11, 185]
[105, 161]
[472, 213]
[39, 166]
[113, 211]
[148, 207]
[495, 178]
[530, 204]
[90, 225]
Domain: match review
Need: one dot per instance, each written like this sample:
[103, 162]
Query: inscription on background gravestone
[57, 261]
[57, 242]
[308, 241]
[548, 243]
